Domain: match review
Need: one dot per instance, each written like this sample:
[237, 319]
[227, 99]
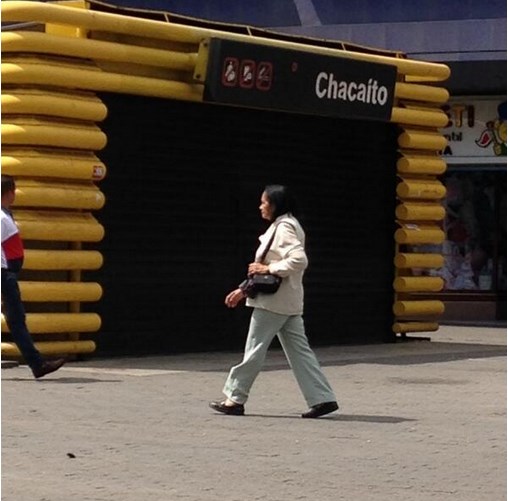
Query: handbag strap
[268, 245]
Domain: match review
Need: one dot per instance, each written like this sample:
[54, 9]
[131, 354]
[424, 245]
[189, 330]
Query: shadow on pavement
[385, 354]
[360, 418]
[371, 419]
[425, 358]
[63, 380]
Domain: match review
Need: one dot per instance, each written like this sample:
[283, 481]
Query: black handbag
[264, 283]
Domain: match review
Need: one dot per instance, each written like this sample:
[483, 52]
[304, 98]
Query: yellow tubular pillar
[44, 323]
[60, 226]
[422, 140]
[52, 163]
[418, 284]
[58, 195]
[60, 291]
[410, 211]
[420, 164]
[34, 42]
[421, 189]
[53, 348]
[404, 327]
[25, 131]
[62, 260]
[50, 103]
[423, 93]
[106, 22]
[418, 308]
[419, 212]
[49, 140]
[412, 234]
[418, 260]
[408, 116]
[91, 78]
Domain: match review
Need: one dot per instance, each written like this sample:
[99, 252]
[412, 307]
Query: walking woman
[278, 314]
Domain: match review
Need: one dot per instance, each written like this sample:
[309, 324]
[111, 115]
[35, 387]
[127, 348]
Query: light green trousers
[264, 326]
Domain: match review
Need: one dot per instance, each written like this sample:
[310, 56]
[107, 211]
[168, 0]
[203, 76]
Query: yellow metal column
[419, 212]
[49, 140]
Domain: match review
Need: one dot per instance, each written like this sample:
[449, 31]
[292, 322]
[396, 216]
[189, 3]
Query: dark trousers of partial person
[14, 313]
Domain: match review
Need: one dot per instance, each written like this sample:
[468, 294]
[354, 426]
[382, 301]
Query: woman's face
[266, 208]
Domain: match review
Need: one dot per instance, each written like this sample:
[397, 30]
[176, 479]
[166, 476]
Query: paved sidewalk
[419, 420]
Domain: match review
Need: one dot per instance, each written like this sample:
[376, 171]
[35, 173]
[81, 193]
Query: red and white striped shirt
[12, 245]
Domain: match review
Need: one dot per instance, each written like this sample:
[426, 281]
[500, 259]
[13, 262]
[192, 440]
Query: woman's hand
[233, 298]
[258, 268]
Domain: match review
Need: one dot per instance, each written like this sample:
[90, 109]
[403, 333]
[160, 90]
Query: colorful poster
[476, 130]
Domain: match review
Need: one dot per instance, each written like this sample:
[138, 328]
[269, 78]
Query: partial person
[12, 305]
[278, 314]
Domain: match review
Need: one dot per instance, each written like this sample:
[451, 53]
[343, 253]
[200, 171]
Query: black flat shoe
[48, 367]
[232, 410]
[320, 410]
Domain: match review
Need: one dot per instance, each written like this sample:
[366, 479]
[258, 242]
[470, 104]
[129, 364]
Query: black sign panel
[260, 76]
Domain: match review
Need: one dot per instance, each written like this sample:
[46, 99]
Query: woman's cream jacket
[287, 259]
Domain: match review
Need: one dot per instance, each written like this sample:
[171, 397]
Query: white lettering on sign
[328, 87]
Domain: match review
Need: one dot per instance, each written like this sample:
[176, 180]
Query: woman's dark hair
[8, 184]
[282, 200]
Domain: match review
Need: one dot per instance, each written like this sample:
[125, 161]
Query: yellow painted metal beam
[410, 163]
[419, 234]
[421, 139]
[46, 323]
[31, 131]
[42, 43]
[101, 21]
[418, 260]
[418, 284]
[404, 327]
[427, 118]
[423, 307]
[48, 163]
[59, 291]
[38, 259]
[46, 194]
[413, 211]
[52, 348]
[74, 105]
[58, 226]
[425, 93]
[40, 72]
[421, 189]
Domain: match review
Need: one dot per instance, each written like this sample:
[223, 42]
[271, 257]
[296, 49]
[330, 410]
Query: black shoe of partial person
[232, 410]
[320, 410]
[48, 367]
